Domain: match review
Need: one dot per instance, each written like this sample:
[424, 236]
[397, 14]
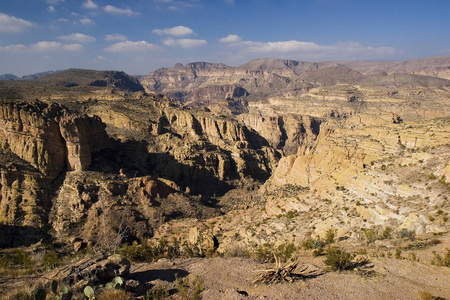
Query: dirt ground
[232, 279]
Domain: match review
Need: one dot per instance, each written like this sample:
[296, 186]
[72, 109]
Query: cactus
[62, 291]
[116, 282]
[89, 292]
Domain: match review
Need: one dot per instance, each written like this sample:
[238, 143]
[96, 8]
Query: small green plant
[398, 253]
[62, 291]
[370, 235]
[318, 252]
[189, 291]
[89, 292]
[338, 259]
[441, 261]
[50, 260]
[311, 243]
[409, 234]
[115, 283]
[387, 233]
[160, 293]
[424, 295]
[330, 236]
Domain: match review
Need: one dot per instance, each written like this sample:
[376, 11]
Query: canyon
[224, 158]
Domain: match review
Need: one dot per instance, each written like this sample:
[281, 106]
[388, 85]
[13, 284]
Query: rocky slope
[254, 160]
[136, 157]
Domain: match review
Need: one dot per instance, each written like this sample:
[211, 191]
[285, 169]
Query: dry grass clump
[115, 295]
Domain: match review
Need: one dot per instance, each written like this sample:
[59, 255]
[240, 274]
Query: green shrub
[318, 252]
[330, 236]
[312, 243]
[441, 261]
[424, 295]
[387, 233]
[338, 259]
[160, 293]
[187, 290]
[50, 260]
[371, 235]
[398, 253]
[405, 233]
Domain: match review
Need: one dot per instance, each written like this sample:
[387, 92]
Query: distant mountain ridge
[268, 77]
[28, 77]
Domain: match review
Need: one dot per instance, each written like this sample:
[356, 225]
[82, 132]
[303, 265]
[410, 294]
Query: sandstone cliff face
[38, 143]
[24, 199]
[286, 132]
[190, 147]
[30, 131]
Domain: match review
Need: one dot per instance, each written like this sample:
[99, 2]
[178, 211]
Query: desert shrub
[237, 251]
[28, 293]
[50, 260]
[370, 235]
[266, 252]
[338, 259]
[189, 290]
[145, 252]
[441, 261]
[330, 236]
[160, 293]
[318, 252]
[398, 253]
[408, 234]
[115, 295]
[311, 243]
[137, 253]
[424, 295]
[22, 258]
[386, 234]
[285, 251]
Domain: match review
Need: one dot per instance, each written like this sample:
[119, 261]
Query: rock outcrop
[38, 143]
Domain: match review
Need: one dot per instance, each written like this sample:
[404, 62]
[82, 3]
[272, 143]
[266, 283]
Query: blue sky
[138, 36]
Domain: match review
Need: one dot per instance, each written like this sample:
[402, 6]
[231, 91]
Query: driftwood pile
[289, 272]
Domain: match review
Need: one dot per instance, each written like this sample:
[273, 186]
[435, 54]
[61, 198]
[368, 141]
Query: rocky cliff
[65, 166]
[38, 143]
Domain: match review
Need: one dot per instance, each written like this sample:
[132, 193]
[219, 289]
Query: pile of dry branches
[288, 272]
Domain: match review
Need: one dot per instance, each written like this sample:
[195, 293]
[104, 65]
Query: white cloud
[78, 37]
[312, 51]
[176, 31]
[115, 37]
[90, 4]
[231, 38]
[119, 11]
[13, 24]
[87, 21]
[46, 46]
[185, 43]
[129, 46]
[12, 48]
[51, 8]
[63, 20]
[285, 46]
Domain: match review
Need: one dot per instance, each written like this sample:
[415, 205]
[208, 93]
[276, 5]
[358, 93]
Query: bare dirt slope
[232, 279]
